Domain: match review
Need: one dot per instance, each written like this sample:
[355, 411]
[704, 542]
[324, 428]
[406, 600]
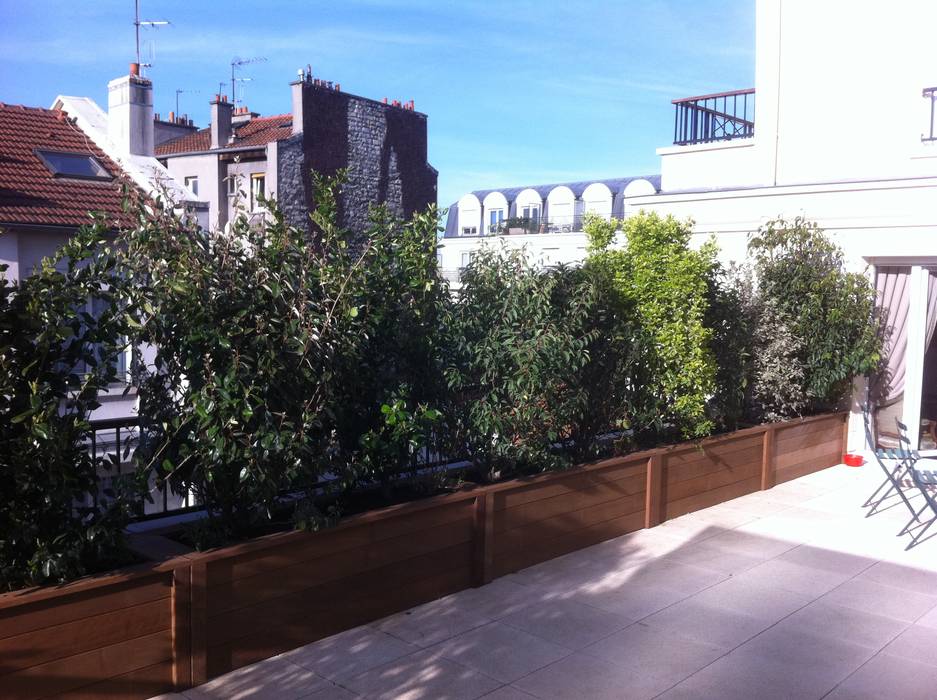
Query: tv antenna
[237, 62]
[180, 91]
[137, 23]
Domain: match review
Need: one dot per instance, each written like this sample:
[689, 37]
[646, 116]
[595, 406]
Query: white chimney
[130, 113]
[297, 95]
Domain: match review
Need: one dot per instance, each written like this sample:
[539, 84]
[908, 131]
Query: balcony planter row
[178, 622]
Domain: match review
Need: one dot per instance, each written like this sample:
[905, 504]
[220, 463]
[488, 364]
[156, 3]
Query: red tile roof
[29, 192]
[257, 132]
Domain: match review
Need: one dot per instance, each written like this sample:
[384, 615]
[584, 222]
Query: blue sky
[516, 92]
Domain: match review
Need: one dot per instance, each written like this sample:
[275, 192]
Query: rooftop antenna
[221, 88]
[137, 23]
[180, 91]
[237, 62]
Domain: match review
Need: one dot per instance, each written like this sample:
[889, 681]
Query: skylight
[77, 165]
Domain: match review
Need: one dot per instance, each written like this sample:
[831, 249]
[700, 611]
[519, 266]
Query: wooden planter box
[179, 622]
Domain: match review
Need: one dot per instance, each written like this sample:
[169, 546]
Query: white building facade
[844, 135]
[544, 220]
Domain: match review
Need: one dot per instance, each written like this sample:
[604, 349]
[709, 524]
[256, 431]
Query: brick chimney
[130, 113]
[221, 111]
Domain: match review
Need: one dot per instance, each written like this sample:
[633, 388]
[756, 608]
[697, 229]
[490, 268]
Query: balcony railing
[718, 117]
[930, 94]
[519, 226]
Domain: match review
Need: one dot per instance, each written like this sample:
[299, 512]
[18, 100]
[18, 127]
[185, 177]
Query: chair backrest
[904, 440]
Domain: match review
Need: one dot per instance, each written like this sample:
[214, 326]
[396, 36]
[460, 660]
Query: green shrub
[55, 361]
[827, 313]
[665, 282]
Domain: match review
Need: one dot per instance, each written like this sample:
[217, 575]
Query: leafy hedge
[285, 359]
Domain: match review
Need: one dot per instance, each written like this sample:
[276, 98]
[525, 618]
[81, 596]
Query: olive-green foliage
[664, 281]
[387, 409]
[828, 312]
[732, 319]
[247, 324]
[513, 352]
[55, 361]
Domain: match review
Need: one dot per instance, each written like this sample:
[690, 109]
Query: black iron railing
[533, 225]
[112, 444]
[930, 94]
[718, 117]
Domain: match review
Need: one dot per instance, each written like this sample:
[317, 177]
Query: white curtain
[893, 288]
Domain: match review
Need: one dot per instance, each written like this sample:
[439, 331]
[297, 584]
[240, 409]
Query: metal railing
[521, 226]
[931, 95]
[112, 444]
[720, 116]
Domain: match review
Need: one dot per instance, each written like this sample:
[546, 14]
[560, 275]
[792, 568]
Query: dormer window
[74, 165]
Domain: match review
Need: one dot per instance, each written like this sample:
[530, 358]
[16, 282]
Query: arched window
[470, 212]
[495, 206]
[529, 208]
[560, 209]
[597, 199]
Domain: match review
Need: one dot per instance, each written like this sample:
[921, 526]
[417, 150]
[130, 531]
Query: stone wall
[382, 147]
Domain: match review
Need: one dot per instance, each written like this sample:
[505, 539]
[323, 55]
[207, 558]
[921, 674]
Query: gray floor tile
[566, 622]
[580, 676]
[889, 601]
[349, 653]
[836, 622]
[691, 619]
[271, 679]
[889, 677]
[432, 623]
[642, 646]
[916, 643]
[422, 676]
[508, 692]
[906, 577]
[500, 651]
[634, 602]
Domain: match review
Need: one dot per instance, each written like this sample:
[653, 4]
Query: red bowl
[853, 460]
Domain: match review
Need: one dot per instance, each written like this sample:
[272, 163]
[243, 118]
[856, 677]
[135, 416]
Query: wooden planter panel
[701, 476]
[360, 572]
[179, 623]
[543, 520]
[809, 447]
[113, 640]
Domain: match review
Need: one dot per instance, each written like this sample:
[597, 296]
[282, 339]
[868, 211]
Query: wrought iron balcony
[721, 116]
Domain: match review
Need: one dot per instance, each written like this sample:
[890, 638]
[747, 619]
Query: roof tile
[256, 132]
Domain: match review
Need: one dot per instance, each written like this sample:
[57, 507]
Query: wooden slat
[713, 462]
[80, 670]
[198, 625]
[654, 491]
[810, 466]
[565, 483]
[710, 498]
[50, 611]
[541, 509]
[559, 525]
[713, 480]
[798, 442]
[182, 628]
[805, 454]
[377, 582]
[330, 619]
[60, 641]
[237, 593]
[567, 542]
[768, 459]
[795, 429]
[137, 685]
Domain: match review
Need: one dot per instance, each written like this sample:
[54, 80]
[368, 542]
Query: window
[232, 185]
[532, 215]
[495, 220]
[466, 259]
[470, 230]
[192, 183]
[258, 181]
[77, 165]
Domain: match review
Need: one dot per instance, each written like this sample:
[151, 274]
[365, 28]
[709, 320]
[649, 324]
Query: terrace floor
[787, 593]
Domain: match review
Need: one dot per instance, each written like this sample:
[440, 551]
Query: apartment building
[243, 157]
[844, 134]
[544, 220]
